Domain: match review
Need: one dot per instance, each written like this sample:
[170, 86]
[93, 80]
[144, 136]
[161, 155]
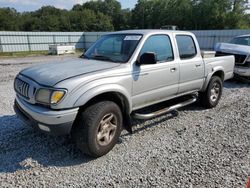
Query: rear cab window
[160, 45]
[186, 46]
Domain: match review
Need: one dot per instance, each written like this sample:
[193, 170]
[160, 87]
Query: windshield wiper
[104, 58]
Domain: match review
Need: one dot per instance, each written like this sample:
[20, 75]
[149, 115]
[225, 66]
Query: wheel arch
[118, 96]
[216, 72]
[220, 74]
[113, 96]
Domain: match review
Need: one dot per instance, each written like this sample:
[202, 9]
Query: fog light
[44, 128]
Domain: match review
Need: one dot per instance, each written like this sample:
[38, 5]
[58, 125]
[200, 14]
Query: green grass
[23, 54]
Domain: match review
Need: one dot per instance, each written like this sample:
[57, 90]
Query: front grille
[22, 88]
[239, 59]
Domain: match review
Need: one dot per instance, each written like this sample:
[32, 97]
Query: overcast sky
[30, 5]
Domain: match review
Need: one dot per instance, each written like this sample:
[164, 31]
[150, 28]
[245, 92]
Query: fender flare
[102, 89]
[209, 76]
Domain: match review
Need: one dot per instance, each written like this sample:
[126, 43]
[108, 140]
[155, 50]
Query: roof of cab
[150, 31]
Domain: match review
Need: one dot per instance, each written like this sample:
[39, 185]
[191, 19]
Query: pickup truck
[93, 98]
[239, 46]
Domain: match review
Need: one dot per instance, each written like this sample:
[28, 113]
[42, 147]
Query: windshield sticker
[132, 37]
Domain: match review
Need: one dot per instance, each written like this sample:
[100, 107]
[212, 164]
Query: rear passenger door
[191, 64]
[155, 82]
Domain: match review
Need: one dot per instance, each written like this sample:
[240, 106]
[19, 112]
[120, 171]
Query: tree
[108, 15]
[29, 23]
[157, 13]
[64, 21]
[111, 8]
[238, 18]
[88, 20]
[9, 18]
[49, 18]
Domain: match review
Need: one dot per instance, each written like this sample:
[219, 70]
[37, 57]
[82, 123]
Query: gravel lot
[198, 148]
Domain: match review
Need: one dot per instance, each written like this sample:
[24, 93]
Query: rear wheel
[98, 128]
[210, 98]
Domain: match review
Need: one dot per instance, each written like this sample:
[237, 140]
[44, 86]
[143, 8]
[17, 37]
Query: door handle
[173, 69]
[197, 65]
[141, 74]
[144, 74]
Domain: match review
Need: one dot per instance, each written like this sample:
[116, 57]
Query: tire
[98, 128]
[210, 98]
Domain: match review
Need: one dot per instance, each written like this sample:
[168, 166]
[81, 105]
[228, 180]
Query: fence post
[84, 41]
[69, 39]
[1, 47]
[28, 39]
[54, 39]
[219, 38]
[214, 38]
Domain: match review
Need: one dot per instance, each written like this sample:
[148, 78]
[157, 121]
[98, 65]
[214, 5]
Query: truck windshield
[241, 41]
[114, 47]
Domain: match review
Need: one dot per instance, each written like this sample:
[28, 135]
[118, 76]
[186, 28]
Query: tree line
[108, 15]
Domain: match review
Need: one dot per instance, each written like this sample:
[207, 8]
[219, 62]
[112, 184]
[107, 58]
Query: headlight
[49, 96]
[248, 59]
[43, 96]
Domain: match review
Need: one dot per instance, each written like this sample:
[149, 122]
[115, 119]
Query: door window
[161, 46]
[186, 46]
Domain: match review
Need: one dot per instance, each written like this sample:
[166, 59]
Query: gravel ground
[197, 148]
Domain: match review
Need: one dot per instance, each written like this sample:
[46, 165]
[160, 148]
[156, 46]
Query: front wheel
[210, 98]
[98, 128]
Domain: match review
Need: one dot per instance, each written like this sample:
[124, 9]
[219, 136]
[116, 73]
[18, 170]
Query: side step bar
[165, 110]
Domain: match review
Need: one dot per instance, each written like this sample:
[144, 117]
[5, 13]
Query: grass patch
[23, 54]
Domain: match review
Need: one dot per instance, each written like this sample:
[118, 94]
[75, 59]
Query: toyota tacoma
[94, 97]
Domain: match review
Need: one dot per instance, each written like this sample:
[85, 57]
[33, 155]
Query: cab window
[161, 46]
[186, 46]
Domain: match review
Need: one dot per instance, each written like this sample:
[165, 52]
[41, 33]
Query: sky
[31, 5]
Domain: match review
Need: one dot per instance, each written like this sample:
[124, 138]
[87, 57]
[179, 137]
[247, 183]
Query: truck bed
[225, 63]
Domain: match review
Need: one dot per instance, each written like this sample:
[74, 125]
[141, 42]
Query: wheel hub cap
[215, 92]
[106, 130]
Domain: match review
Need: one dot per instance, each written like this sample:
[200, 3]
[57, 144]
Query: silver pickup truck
[94, 97]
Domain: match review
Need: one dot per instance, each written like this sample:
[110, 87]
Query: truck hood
[232, 48]
[52, 73]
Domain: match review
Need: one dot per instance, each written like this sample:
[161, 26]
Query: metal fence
[208, 38]
[38, 41]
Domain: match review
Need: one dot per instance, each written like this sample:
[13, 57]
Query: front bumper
[53, 122]
[242, 71]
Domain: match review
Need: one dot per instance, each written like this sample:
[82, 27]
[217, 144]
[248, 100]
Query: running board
[165, 110]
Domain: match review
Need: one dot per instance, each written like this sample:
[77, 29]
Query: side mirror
[147, 58]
